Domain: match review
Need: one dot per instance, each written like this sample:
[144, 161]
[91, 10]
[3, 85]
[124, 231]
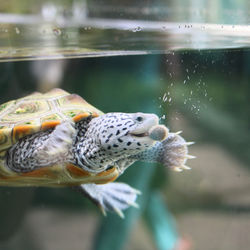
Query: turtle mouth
[143, 128]
[140, 134]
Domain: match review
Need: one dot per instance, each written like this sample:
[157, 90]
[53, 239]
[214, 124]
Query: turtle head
[122, 134]
[116, 136]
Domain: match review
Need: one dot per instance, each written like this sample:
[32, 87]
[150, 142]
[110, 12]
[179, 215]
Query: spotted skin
[93, 145]
[17, 159]
[42, 149]
[108, 140]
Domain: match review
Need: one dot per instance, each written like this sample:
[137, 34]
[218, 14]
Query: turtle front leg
[42, 149]
[171, 152]
[113, 197]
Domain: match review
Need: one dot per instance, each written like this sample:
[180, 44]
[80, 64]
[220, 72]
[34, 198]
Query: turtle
[58, 139]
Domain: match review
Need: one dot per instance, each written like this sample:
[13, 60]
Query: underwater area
[186, 61]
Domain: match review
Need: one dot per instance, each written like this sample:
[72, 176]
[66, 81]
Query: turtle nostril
[139, 118]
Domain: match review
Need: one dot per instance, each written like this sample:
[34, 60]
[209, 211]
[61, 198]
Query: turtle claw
[178, 132]
[177, 169]
[190, 157]
[113, 197]
[133, 204]
[181, 168]
[189, 143]
[136, 191]
[185, 167]
[119, 212]
[103, 211]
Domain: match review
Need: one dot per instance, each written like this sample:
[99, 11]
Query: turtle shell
[37, 112]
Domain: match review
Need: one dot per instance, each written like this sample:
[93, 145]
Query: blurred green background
[205, 94]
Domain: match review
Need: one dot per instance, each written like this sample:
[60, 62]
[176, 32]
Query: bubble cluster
[187, 86]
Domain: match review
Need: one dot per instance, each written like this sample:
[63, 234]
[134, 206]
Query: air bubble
[137, 29]
[17, 30]
[57, 31]
[164, 98]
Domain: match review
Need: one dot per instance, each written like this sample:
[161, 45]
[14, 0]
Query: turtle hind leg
[42, 149]
[113, 197]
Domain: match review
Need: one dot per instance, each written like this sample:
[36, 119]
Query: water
[203, 93]
[35, 41]
[30, 37]
[193, 73]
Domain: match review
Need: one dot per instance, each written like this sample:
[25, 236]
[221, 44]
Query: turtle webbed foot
[113, 197]
[60, 140]
[175, 152]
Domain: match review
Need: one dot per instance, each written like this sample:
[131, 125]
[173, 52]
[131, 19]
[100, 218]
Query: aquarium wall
[73, 29]
[185, 61]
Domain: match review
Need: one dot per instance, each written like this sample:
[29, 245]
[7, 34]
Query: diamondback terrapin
[58, 139]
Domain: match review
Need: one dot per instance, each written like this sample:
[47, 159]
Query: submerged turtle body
[38, 112]
[58, 139]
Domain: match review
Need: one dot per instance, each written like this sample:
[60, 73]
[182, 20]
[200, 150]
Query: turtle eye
[139, 118]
